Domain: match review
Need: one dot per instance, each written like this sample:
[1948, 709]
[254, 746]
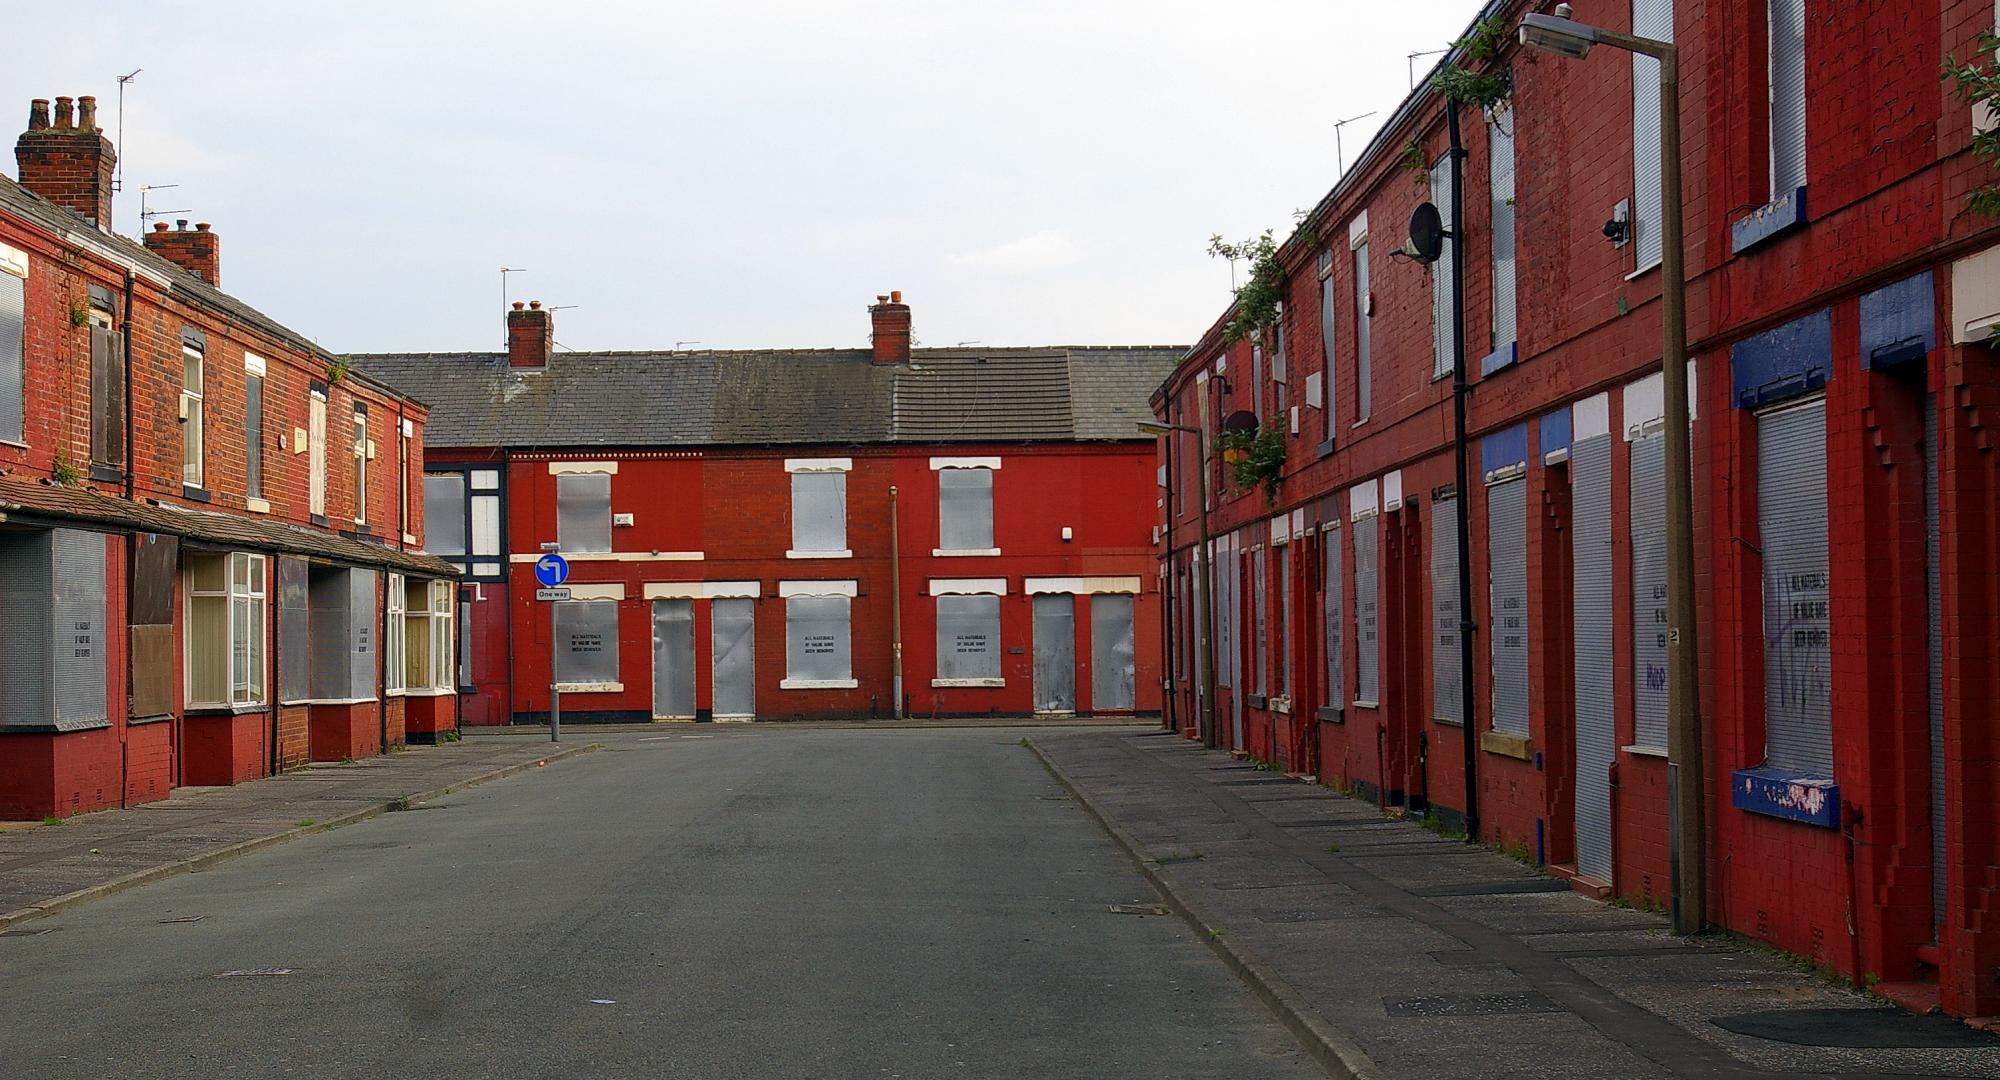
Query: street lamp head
[1154, 427]
[1558, 34]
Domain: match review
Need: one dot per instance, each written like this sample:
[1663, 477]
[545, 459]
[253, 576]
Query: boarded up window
[965, 509]
[1798, 654]
[819, 511]
[1334, 615]
[1444, 328]
[107, 396]
[316, 452]
[583, 512]
[1368, 647]
[1111, 653]
[1326, 316]
[155, 571]
[1260, 606]
[1500, 142]
[586, 640]
[817, 648]
[968, 637]
[1649, 592]
[52, 609]
[1507, 556]
[13, 339]
[294, 631]
[735, 641]
[1650, 19]
[1364, 380]
[1447, 660]
[444, 513]
[253, 436]
[342, 603]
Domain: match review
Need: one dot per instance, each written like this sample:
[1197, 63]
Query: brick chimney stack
[889, 319]
[192, 250]
[531, 335]
[68, 162]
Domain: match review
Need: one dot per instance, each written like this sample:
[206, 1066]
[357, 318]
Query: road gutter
[244, 847]
[1337, 1054]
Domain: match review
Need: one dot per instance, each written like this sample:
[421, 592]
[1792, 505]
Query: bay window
[227, 608]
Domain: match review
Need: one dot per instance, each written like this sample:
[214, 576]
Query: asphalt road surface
[704, 903]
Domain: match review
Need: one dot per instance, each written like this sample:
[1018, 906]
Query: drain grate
[1467, 1004]
[1857, 1028]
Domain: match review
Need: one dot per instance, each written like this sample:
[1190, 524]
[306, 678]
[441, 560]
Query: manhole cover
[1467, 1004]
[1858, 1028]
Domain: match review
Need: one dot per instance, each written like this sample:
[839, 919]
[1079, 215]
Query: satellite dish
[1426, 233]
[1240, 422]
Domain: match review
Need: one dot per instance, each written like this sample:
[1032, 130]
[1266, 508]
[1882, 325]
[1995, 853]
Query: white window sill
[1643, 271]
[818, 684]
[590, 687]
[394, 692]
[944, 553]
[257, 506]
[432, 691]
[334, 701]
[1360, 704]
[844, 553]
[239, 708]
[1646, 751]
[968, 682]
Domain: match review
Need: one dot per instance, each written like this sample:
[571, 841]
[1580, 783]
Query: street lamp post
[1563, 36]
[1204, 592]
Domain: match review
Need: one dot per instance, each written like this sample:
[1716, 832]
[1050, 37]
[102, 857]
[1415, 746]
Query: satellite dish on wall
[1240, 422]
[1426, 233]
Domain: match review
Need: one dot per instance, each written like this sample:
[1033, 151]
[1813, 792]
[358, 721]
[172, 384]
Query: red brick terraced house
[727, 521]
[1846, 527]
[209, 545]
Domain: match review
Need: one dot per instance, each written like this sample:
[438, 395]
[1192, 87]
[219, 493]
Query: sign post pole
[551, 570]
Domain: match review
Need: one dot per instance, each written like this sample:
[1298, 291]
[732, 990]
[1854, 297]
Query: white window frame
[395, 636]
[192, 402]
[252, 595]
[444, 653]
[360, 464]
[992, 464]
[816, 467]
[316, 452]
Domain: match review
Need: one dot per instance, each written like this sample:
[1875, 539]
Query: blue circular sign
[551, 570]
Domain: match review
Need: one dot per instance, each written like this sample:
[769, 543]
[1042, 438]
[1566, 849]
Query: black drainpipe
[1459, 392]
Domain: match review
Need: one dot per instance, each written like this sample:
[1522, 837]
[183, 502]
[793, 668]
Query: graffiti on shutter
[1507, 556]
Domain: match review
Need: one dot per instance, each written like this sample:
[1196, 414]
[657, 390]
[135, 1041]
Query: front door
[1055, 653]
[1111, 653]
[673, 659]
[735, 658]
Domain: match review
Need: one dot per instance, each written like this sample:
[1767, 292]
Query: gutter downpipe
[131, 553]
[1459, 391]
[895, 610]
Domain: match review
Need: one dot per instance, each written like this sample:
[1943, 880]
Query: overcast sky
[740, 174]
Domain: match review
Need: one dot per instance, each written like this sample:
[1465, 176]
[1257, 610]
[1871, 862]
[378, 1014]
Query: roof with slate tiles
[781, 396]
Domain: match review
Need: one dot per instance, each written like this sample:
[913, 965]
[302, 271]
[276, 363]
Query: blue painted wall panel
[1793, 359]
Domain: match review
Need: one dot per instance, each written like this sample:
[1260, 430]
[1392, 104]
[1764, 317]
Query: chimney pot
[67, 164]
[87, 107]
[201, 226]
[895, 296]
[38, 114]
[519, 305]
[530, 336]
[881, 298]
[65, 114]
[159, 226]
[534, 305]
[197, 251]
[889, 321]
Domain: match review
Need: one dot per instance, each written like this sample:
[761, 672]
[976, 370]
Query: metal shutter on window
[965, 507]
[583, 512]
[1367, 666]
[361, 620]
[77, 559]
[819, 511]
[1652, 19]
[1791, 522]
[1500, 140]
[1336, 668]
[1649, 591]
[1590, 599]
[586, 634]
[294, 631]
[1447, 671]
[1788, 96]
[1507, 565]
[1111, 652]
[13, 323]
[444, 513]
[968, 637]
[1934, 650]
[1442, 329]
[1326, 317]
[1260, 606]
[1364, 380]
[329, 634]
[1285, 621]
[817, 644]
[1055, 652]
[27, 630]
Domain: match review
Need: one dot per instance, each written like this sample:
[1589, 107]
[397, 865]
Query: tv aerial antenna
[118, 181]
[1340, 158]
[146, 213]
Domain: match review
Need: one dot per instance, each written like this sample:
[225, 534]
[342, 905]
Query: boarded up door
[673, 659]
[735, 642]
[1055, 653]
[1111, 653]
[1590, 608]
